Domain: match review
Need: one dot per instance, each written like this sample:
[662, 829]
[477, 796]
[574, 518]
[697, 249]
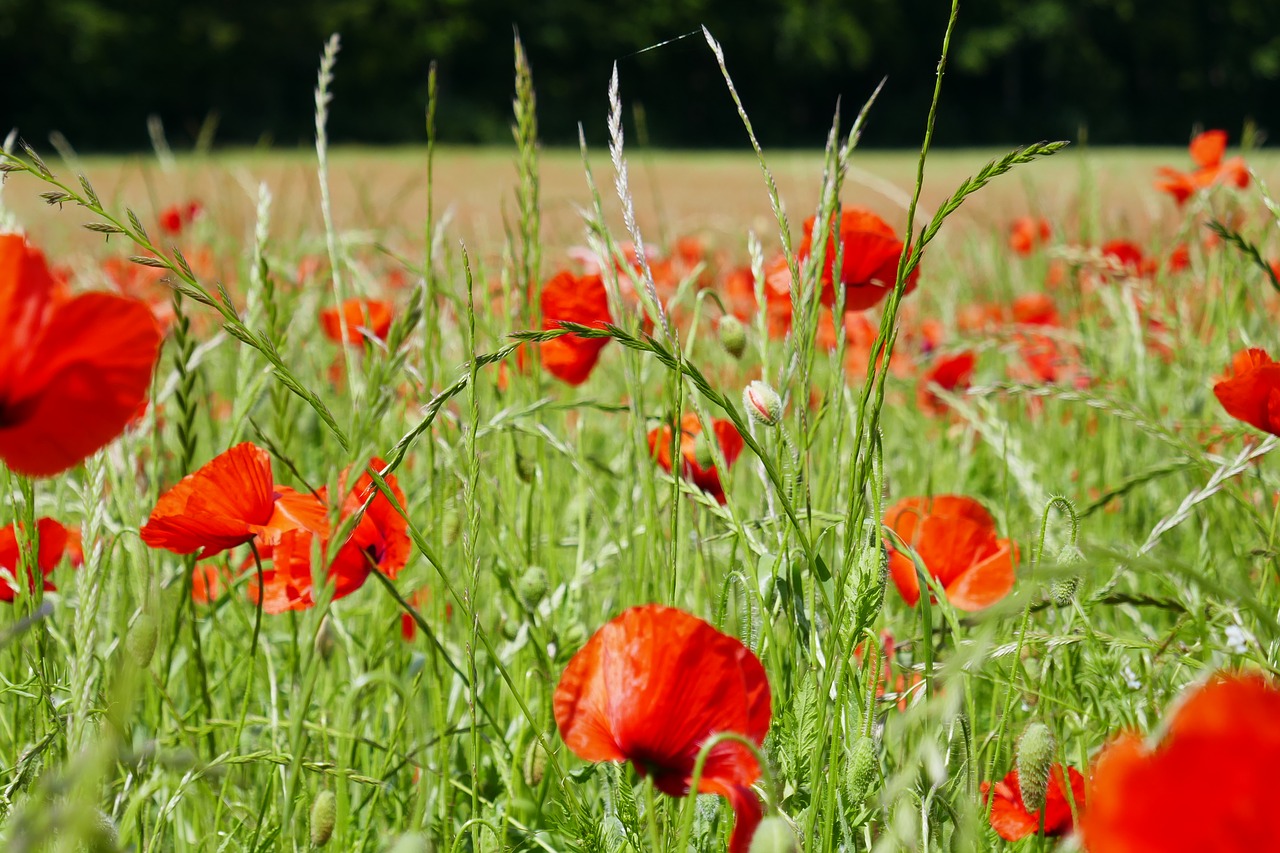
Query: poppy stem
[686, 818]
[651, 817]
[253, 645]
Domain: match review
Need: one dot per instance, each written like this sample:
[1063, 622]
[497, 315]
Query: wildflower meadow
[935, 513]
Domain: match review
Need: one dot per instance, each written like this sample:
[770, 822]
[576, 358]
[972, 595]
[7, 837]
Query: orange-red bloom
[1207, 150]
[576, 299]
[1208, 784]
[956, 539]
[175, 218]
[696, 465]
[652, 687]
[1250, 390]
[1010, 818]
[948, 372]
[73, 369]
[365, 318]
[380, 540]
[230, 501]
[1026, 233]
[870, 264]
[55, 542]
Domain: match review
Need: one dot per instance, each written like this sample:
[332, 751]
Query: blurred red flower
[957, 541]
[56, 541]
[869, 267]
[1207, 150]
[1250, 390]
[950, 373]
[73, 369]
[652, 687]
[1026, 233]
[1010, 818]
[175, 218]
[696, 463]
[230, 501]
[364, 318]
[1207, 784]
[576, 299]
[379, 541]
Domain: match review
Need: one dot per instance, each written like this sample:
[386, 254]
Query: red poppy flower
[1026, 233]
[73, 369]
[1250, 390]
[364, 317]
[576, 299]
[1128, 257]
[696, 463]
[228, 502]
[1208, 784]
[651, 687]
[1010, 818]
[380, 540]
[949, 372]
[1035, 309]
[870, 264]
[55, 542]
[175, 218]
[956, 539]
[1207, 150]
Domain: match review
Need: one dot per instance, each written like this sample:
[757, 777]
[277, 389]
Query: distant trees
[1134, 71]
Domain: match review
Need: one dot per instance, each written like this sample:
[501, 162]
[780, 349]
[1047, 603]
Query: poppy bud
[533, 585]
[1035, 756]
[863, 770]
[733, 337]
[526, 467]
[1063, 589]
[873, 575]
[324, 813]
[410, 842]
[142, 639]
[774, 835]
[762, 403]
[325, 640]
[535, 764]
[451, 526]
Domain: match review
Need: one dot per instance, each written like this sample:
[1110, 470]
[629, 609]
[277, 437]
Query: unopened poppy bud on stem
[324, 814]
[1063, 589]
[762, 403]
[733, 337]
[1035, 757]
[142, 639]
[864, 768]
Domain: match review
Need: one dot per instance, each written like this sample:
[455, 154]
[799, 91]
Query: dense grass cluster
[149, 703]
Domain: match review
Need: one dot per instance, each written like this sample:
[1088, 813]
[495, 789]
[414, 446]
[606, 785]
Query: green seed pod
[774, 835]
[1063, 589]
[142, 639]
[533, 585]
[324, 813]
[863, 770]
[733, 337]
[1036, 749]
[410, 842]
[762, 403]
[535, 764]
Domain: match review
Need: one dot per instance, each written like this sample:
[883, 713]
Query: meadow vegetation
[377, 532]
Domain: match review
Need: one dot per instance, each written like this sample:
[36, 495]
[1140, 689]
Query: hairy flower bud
[535, 764]
[774, 835]
[863, 769]
[142, 639]
[324, 813]
[1063, 589]
[325, 640]
[733, 337]
[533, 585]
[1036, 748]
[762, 403]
